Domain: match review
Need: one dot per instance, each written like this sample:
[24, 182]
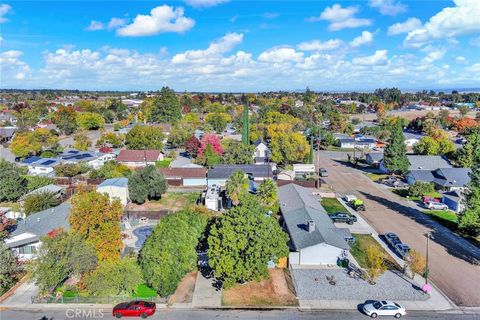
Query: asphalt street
[177, 314]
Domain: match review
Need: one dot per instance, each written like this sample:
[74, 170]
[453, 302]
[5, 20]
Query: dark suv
[343, 217]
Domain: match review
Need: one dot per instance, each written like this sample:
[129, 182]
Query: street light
[429, 234]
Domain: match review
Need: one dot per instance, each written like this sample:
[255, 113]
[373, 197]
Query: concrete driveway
[450, 256]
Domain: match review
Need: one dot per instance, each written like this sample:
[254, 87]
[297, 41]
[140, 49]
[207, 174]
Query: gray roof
[41, 223]
[7, 132]
[455, 195]
[418, 162]
[114, 182]
[452, 177]
[51, 188]
[422, 175]
[299, 205]
[225, 171]
[375, 156]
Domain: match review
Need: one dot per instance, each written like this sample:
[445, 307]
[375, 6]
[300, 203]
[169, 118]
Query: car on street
[384, 308]
[403, 250]
[142, 309]
[392, 239]
[432, 205]
[323, 172]
[343, 217]
[394, 182]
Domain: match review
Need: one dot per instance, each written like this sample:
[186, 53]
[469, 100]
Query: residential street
[177, 314]
[449, 255]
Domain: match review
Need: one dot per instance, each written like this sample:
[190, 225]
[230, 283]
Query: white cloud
[279, 55]
[161, 19]
[117, 23]
[461, 60]
[204, 3]
[215, 49]
[341, 18]
[388, 7]
[451, 22]
[317, 45]
[378, 58]
[12, 67]
[95, 26]
[365, 38]
[433, 54]
[4, 10]
[404, 27]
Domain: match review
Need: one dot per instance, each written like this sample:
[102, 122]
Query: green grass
[332, 205]
[14, 206]
[448, 219]
[70, 293]
[163, 163]
[144, 291]
[362, 242]
[376, 176]
[335, 148]
[404, 193]
[178, 199]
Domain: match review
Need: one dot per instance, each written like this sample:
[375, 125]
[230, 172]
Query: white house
[115, 188]
[262, 152]
[303, 169]
[25, 239]
[314, 239]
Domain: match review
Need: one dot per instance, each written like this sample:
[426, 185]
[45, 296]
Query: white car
[432, 205]
[384, 308]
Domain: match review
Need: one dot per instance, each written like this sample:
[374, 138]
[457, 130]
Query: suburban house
[314, 239]
[25, 239]
[115, 188]
[420, 162]
[358, 142]
[41, 166]
[454, 200]
[139, 158]
[445, 179]
[92, 159]
[374, 159]
[262, 152]
[411, 138]
[303, 170]
[6, 133]
[186, 177]
[57, 191]
[219, 174]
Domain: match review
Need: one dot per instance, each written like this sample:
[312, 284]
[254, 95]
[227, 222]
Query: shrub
[38, 202]
[70, 169]
[420, 188]
[35, 182]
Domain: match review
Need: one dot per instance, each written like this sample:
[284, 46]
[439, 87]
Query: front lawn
[163, 163]
[404, 193]
[447, 218]
[332, 205]
[362, 242]
[376, 176]
[144, 291]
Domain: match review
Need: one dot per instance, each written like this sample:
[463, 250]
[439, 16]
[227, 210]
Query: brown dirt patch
[275, 291]
[173, 201]
[184, 292]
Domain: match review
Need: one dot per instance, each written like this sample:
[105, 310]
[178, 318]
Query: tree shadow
[440, 234]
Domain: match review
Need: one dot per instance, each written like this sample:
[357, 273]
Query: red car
[134, 309]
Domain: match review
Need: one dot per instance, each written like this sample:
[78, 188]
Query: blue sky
[221, 45]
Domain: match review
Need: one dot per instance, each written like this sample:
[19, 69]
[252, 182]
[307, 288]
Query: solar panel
[31, 159]
[48, 162]
[70, 157]
[73, 151]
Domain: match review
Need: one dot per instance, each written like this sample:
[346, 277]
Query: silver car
[384, 308]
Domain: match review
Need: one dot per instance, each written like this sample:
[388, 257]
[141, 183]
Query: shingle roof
[225, 171]
[48, 188]
[138, 155]
[422, 175]
[375, 156]
[292, 197]
[418, 162]
[452, 177]
[41, 223]
[114, 182]
[184, 172]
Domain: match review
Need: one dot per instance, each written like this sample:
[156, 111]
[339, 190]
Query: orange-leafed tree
[98, 222]
[465, 123]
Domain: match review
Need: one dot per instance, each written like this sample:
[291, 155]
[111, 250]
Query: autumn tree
[33, 142]
[288, 147]
[90, 120]
[111, 139]
[242, 242]
[464, 124]
[192, 145]
[212, 140]
[374, 260]
[144, 138]
[97, 221]
[416, 263]
[463, 110]
[65, 118]
[218, 120]
[380, 111]
[179, 134]
[81, 141]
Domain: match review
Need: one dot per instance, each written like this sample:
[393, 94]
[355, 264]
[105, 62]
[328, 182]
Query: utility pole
[426, 264]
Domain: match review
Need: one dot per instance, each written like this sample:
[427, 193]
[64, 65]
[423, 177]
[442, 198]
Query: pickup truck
[343, 217]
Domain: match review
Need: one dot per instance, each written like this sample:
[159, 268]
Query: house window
[27, 250]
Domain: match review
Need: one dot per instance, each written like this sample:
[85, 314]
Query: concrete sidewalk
[205, 294]
[22, 295]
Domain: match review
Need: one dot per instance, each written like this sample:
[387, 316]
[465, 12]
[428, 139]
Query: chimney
[311, 225]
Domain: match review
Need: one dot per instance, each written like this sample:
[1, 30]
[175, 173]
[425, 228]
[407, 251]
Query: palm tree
[236, 185]
[267, 193]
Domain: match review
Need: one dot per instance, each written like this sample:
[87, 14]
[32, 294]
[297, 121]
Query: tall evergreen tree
[246, 124]
[469, 221]
[166, 107]
[395, 155]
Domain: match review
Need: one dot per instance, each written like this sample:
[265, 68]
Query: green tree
[8, 268]
[218, 120]
[97, 221]
[12, 184]
[469, 155]
[169, 252]
[463, 110]
[38, 202]
[237, 186]
[180, 134]
[288, 147]
[208, 158]
[267, 194]
[469, 221]
[33, 142]
[65, 118]
[111, 169]
[420, 188]
[81, 141]
[112, 139]
[395, 154]
[70, 169]
[243, 241]
[165, 107]
[115, 278]
[62, 255]
[235, 152]
[90, 121]
[146, 183]
[144, 138]
[35, 182]
[426, 146]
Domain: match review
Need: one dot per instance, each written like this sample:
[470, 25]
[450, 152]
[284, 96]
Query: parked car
[426, 199]
[384, 308]
[403, 250]
[323, 172]
[142, 309]
[394, 182]
[343, 217]
[432, 205]
[392, 239]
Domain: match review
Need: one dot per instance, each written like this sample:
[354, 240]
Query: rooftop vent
[311, 225]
